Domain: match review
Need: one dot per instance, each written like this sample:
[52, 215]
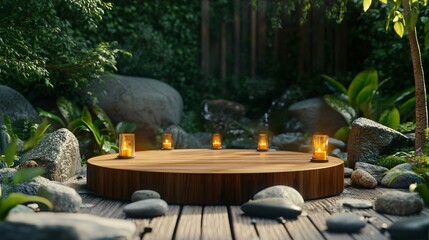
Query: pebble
[355, 203]
[271, 208]
[347, 172]
[399, 203]
[375, 171]
[144, 194]
[345, 222]
[147, 208]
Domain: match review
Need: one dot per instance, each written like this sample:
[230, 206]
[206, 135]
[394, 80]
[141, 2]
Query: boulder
[64, 199]
[181, 139]
[15, 105]
[399, 203]
[410, 228]
[29, 188]
[58, 153]
[289, 141]
[406, 177]
[368, 140]
[149, 103]
[317, 116]
[66, 226]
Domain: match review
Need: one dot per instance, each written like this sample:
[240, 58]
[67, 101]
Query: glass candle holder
[167, 141]
[216, 141]
[126, 145]
[262, 142]
[320, 148]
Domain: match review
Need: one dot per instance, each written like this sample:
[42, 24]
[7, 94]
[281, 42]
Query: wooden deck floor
[228, 222]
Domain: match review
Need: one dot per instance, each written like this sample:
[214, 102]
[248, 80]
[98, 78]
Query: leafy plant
[363, 98]
[99, 130]
[9, 201]
[31, 139]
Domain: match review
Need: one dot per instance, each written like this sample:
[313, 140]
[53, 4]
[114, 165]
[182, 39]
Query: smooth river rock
[146, 208]
[415, 228]
[271, 208]
[144, 194]
[375, 171]
[64, 199]
[65, 226]
[404, 180]
[399, 203]
[281, 191]
[355, 203]
[345, 222]
[363, 179]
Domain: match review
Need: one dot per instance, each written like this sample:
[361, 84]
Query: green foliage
[390, 161]
[42, 48]
[9, 201]
[100, 131]
[363, 98]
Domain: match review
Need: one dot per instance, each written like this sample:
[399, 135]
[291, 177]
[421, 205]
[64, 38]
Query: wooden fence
[243, 44]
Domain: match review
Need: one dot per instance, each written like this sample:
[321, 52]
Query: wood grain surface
[213, 177]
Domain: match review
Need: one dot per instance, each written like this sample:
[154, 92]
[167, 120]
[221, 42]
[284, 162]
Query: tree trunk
[419, 81]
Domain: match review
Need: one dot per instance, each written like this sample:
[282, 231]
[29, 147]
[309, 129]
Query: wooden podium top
[208, 161]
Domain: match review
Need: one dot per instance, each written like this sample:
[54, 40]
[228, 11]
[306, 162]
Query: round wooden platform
[211, 177]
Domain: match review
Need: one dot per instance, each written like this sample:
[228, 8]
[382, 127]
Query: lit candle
[126, 145]
[167, 141]
[320, 155]
[320, 148]
[216, 141]
[263, 142]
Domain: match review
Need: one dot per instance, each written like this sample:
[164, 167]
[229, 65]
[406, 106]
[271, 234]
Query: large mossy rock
[58, 153]
[15, 105]
[149, 103]
[368, 140]
[317, 116]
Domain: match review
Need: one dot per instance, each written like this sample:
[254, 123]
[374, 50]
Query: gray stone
[345, 222]
[339, 154]
[64, 199]
[29, 188]
[58, 154]
[4, 138]
[355, 203]
[20, 209]
[347, 172]
[335, 143]
[280, 191]
[399, 203]
[317, 116]
[181, 139]
[375, 171]
[149, 103]
[221, 110]
[368, 140]
[406, 177]
[271, 208]
[146, 208]
[15, 105]
[410, 228]
[289, 141]
[65, 226]
[144, 194]
[362, 178]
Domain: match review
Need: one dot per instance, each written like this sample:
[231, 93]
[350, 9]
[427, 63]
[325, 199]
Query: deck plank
[215, 223]
[242, 225]
[163, 227]
[271, 229]
[189, 225]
